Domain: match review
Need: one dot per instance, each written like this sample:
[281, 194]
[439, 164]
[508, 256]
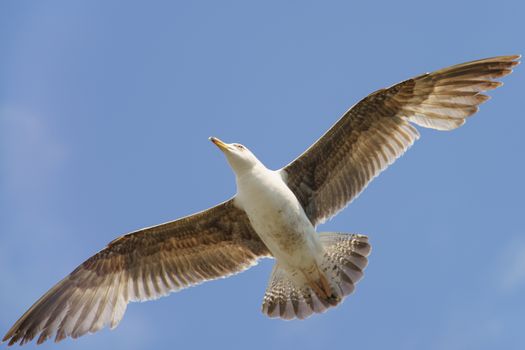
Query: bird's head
[241, 159]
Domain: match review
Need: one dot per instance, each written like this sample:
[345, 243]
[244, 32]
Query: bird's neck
[254, 171]
[257, 183]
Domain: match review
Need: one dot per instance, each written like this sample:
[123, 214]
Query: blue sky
[105, 111]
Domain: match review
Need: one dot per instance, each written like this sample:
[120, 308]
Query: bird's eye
[241, 147]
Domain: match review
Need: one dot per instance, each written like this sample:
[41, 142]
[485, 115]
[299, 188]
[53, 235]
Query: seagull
[274, 214]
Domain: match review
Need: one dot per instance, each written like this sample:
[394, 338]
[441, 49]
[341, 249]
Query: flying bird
[274, 214]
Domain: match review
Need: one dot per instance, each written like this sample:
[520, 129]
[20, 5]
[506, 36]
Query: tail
[342, 267]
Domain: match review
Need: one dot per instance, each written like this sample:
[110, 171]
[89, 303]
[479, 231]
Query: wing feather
[142, 265]
[377, 130]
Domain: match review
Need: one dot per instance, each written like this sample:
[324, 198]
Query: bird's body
[278, 218]
[274, 214]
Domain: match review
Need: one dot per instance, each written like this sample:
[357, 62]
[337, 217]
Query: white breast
[278, 217]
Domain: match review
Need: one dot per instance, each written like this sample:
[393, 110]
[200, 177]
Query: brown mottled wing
[142, 265]
[377, 130]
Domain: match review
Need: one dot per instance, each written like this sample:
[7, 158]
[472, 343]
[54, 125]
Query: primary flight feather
[274, 214]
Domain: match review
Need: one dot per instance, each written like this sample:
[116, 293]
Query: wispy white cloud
[30, 159]
[466, 331]
[31, 154]
[511, 272]
[482, 322]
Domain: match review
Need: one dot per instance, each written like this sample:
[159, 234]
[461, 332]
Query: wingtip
[6, 337]
[482, 98]
[515, 63]
[510, 57]
[514, 60]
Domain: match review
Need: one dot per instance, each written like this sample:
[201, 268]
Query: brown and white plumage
[274, 214]
[142, 265]
[376, 131]
[345, 262]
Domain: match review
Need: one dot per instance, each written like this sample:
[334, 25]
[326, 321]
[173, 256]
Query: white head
[241, 159]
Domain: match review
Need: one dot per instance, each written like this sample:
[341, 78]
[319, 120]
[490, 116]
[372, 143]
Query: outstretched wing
[377, 130]
[142, 265]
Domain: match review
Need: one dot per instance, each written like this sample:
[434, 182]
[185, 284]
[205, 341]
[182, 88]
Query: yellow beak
[223, 146]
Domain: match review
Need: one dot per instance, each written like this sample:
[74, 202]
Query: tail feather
[284, 300]
[342, 267]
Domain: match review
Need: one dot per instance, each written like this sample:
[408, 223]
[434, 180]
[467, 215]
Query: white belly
[279, 219]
